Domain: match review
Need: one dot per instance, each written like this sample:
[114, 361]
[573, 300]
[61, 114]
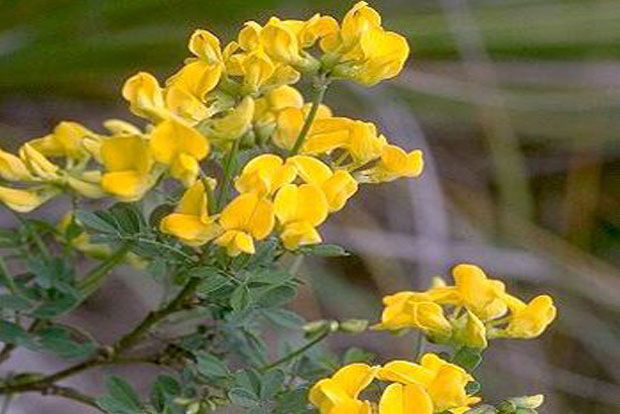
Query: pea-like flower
[529, 320]
[26, 200]
[190, 221]
[180, 147]
[265, 174]
[128, 161]
[340, 393]
[395, 163]
[145, 96]
[248, 217]
[300, 209]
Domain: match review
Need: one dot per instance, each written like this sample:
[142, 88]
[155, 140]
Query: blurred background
[516, 104]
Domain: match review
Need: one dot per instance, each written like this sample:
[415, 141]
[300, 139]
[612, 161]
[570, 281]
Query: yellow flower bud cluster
[223, 100]
[468, 313]
[432, 386]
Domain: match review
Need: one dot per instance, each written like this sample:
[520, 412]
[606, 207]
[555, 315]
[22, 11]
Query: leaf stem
[229, 164]
[297, 352]
[320, 87]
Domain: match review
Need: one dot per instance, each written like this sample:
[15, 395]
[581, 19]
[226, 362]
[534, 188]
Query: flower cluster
[468, 313]
[432, 386]
[225, 100]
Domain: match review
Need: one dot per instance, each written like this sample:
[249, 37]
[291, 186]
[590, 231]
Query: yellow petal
[144, 94]
[37, 163]
[126, 185]
[405, 399]
[531, 321]
[310, 169]
[206, 46]
[299, 234]
[354, 378]
[280, 42]
[338, 189]
[123, 153]
[250, 213]
[197, 77]
[291, 204]
[190, 228]
[406, 372]
[24, 201]
[234, 124]
[171, 138]
[12, 168]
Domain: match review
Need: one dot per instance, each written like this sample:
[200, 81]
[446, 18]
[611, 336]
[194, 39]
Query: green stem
[94, 279]
[419, 346]
[298, 352]
[229, 164]
[320, 87]
[122, 345]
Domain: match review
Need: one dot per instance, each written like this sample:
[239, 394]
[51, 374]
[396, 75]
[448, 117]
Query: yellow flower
[26, 200]
[265, 174]
[481, 295]
[405, 399]
[206, 46]
[339, 394]
[337, 186]
[316, 28]
[257, 69]
[190, 221]
[395, 163]
[197, 78]
[232, 125]
[280, 42]
[470, 331]
[86, 183]
[409, 312]
[38, 164]
[12, 168]
[362, 50]
[65, 141]
[249, 36]
[290, 121]
[246, 218]
[275, 101]
[145, 97]
[444, 382]
[181, 147]
[185, 105]
[530, 320]
[127, 160]
[300, 209]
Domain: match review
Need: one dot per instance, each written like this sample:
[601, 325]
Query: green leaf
[55, 307]
[11, 333]
[284, 318]
[58, 340]
[324, 250]
[243, 397]
[14, 302]
[96, 222]
[240, 298]
[468, 358]
[248, 379]
[276, 297]
[128, 217]
[271, 383]
[121, 397]
[164, 390]
[472, 387]
[210, 366]
[355, 355]
[482, 409]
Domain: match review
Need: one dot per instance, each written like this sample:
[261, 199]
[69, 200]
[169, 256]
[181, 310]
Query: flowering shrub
[233, 173]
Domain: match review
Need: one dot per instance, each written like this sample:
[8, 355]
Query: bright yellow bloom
[405, 399]
[290, 122]
[265, 174]
[395, 163]
[362, 50]
[257, 69]
[337, 186]
[181, 147]
[481, 295]
[339, 394]
[127, 160]
[197, 78]
[86, 183]
[529, 320]
[410, 312]
[145, 96]
[190, 221]
[316, 28]
[280, 42]
[206, 46]
[65, 141]
[444, 382]
[185, 105]
[470, 331]
[12, 168]
[26, 200]
[38, 164]
[246, 218]
[232, 125]
[275, 101]
[300, 209]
